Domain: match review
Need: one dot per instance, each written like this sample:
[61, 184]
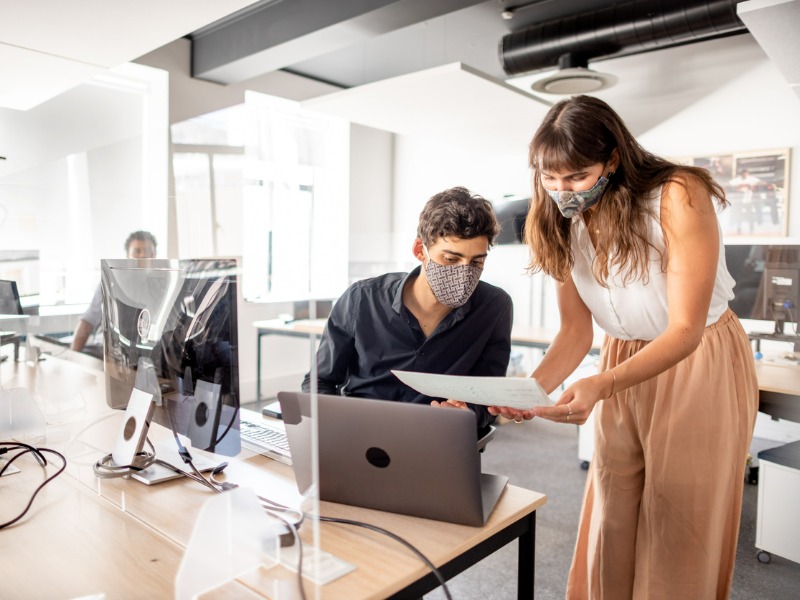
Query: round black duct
[620, 30]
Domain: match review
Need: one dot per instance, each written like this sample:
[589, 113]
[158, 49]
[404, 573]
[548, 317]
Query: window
[84, 170]
[267, 181]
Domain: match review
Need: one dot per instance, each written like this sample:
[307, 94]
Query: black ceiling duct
[620, 30]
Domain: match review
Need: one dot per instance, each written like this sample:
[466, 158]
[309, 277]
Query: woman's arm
[572, 342]
[690, 228]
[569, 347]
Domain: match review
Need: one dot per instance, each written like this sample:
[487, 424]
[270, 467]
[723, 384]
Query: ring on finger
[569, 408]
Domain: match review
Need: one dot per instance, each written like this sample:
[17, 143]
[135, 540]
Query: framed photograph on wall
[757, 187]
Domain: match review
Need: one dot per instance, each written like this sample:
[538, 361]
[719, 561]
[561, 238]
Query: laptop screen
[392, 456]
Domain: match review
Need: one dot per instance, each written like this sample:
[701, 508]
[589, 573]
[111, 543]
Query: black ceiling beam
[621, 29]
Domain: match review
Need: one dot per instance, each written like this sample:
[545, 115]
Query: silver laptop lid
[397, 457]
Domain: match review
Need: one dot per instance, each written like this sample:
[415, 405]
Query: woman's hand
[574, 406]
[578, 400]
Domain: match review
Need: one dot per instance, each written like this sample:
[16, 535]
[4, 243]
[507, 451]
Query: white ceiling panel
[50, 46]
[22, 89]
[453, 103]
[774, 24]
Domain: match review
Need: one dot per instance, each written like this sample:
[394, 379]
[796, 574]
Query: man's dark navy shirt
[370, 332]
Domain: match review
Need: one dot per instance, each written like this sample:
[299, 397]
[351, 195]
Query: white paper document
[521, 393]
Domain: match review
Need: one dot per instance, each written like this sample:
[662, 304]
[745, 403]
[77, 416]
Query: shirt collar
[397, 303]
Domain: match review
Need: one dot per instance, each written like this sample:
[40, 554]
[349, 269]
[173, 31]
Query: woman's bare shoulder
[685, 190]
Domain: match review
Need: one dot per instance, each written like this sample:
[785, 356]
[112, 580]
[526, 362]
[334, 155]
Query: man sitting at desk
[439, 318]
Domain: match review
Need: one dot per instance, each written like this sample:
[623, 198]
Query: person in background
[140, 244]
[633, 242]
[439, 318]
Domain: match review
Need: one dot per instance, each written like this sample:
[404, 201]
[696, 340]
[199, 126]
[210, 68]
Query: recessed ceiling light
[577, 80]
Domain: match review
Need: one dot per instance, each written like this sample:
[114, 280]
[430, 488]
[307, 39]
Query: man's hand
[451, 404]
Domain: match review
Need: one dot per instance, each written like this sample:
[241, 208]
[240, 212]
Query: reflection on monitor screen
[170, 329]
[767, 282]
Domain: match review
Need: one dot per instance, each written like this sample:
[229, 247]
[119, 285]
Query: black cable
[186, 457]
[400, 540]
[38, 455]
[37, 452]
[199, 479]
[297, 541]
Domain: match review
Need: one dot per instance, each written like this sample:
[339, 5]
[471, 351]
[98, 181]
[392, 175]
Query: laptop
[397, 457]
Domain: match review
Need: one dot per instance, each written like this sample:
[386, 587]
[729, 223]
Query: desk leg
[525, 560]
[258, 366]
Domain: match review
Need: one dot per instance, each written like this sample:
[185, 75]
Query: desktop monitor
[170, 329]
[511, 215]
[9, 298]
[767, 280]
[22, 267]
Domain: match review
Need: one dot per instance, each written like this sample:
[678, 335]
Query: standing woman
[633, 241]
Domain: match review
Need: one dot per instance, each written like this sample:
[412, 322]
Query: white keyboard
[265, 436]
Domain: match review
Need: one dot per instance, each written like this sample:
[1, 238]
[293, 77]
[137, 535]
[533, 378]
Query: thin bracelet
[613, 382]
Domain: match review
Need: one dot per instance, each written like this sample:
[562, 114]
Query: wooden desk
[126, 539]
[779, 390]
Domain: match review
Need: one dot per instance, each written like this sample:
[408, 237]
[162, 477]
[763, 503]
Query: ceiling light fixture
[573, 77]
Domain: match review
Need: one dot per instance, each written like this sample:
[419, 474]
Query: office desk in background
[779, 385]
[125, 539]
[528, 337]
[779, 390]
[307, 328]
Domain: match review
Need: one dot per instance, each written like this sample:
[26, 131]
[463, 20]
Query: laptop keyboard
[266, 438]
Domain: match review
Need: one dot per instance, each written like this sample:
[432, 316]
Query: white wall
[756, 111]
[424, 167]
[371, 217]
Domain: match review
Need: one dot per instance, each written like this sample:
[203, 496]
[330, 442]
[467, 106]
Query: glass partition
[270, 193]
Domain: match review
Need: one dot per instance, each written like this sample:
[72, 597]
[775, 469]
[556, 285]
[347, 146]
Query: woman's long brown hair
[580, 132]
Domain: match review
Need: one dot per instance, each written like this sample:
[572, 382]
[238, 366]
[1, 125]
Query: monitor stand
[777, 337]
[167, 451]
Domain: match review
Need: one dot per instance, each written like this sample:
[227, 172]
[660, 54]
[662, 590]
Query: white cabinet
[778, 524]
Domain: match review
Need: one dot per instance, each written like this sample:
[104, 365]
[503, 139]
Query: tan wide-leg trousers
[663, 497]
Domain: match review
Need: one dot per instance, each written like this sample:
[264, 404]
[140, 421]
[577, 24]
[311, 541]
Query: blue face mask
[574, 203]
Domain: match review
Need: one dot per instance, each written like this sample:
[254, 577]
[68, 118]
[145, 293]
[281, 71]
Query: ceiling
[50, 46]
[394, 53]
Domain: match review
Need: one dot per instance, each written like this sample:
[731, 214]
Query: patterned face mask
[452, 285]
[574, 203]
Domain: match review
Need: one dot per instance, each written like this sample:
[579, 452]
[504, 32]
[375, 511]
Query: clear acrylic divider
[231, 536]
[20, 418]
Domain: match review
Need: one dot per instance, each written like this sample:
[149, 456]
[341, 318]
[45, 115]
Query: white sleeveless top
[635, 310]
